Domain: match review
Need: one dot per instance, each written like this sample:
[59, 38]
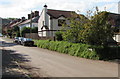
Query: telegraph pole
[30, 23]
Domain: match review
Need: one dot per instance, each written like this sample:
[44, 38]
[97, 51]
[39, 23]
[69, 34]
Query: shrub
[74, 49]
[34, 30]
[80, 50]
[58, 36]
[18, 34]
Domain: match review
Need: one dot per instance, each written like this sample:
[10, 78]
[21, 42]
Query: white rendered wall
[28, 25]
[117, 38]
[52, 24]
[44, 17]
[40, 21]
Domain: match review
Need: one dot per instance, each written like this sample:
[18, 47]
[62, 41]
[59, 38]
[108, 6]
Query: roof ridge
[61, 10]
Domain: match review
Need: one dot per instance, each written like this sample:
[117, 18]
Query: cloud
[19, 8]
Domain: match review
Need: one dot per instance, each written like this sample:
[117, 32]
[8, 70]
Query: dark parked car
[27, 41]
[16, 39]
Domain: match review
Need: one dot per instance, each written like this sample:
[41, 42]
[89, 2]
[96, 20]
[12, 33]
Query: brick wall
[35, 36]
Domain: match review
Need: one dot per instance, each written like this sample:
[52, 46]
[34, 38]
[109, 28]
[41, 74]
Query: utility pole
[30, 23]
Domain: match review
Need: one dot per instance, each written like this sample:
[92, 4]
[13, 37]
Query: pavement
[53, 64]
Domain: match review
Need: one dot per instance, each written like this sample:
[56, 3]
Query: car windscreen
[27, 39]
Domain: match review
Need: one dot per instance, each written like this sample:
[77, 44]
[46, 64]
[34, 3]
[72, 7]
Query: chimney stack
[18, 20]
[32, 14]
[29, 16]
[45, 15]
[36, 13]
[23, 19]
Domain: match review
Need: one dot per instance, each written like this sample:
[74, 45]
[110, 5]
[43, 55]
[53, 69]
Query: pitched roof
[15, 24]
[5, 21]
[34, 20]
[116, 18]
[59, 13]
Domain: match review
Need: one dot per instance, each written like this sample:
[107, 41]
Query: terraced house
[31, 21]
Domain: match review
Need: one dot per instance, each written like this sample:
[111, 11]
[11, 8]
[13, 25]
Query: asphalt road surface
[54, 64]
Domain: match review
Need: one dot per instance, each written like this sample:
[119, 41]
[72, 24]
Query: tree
[16, 28]
[77, 30]
[96, 30]
[16, 31]
[25, 30]
[101, 30]
[9, 33]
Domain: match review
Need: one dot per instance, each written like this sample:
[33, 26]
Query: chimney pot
[45, 5]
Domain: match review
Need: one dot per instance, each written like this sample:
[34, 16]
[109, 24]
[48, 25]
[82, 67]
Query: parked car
[1, 35]
[16, 39]
[20, 40]
[27, 42]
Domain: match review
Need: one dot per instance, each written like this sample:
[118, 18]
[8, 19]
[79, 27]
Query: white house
[30, 22]
[51, 21]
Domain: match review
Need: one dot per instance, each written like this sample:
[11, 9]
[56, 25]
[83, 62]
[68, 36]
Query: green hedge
[80, 50]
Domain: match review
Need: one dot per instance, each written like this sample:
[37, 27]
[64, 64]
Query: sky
[20, 8]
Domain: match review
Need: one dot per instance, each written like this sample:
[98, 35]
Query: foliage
[28, 30]
[78, 29]
[9, 32]
[96, 30]
[58, 36]
[101, 30]
[80, 50]
[15, 31]
[34, 30]
[25, 30]
[18, 34]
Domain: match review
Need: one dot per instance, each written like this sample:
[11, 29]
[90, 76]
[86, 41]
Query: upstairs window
[61, 21]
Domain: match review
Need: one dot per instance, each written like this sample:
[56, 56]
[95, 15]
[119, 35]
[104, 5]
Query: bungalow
[51, 21]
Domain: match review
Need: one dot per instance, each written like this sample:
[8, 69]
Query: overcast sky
[19, 8]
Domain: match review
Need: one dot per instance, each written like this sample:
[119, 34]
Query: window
[61, 21]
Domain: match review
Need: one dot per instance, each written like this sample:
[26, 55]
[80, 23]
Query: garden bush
[58, 36]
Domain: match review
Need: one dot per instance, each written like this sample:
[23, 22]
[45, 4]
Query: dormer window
[61, 21]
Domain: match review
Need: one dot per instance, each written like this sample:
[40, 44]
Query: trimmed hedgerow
[74, 49]
[80, 50]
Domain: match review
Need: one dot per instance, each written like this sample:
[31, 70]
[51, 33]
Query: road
[54, 64]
